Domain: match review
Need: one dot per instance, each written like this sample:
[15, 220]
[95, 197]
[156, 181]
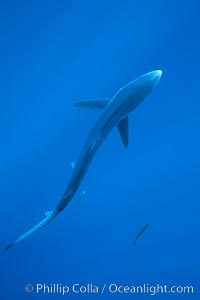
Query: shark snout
[155, 76]
[158, 74]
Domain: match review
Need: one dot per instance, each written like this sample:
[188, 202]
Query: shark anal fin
[93, 103]
[48, 213]
[123, 128]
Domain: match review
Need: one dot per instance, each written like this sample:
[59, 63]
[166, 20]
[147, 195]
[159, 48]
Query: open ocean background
[54, 53]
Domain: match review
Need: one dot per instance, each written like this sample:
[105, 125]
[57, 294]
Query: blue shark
[115, 113]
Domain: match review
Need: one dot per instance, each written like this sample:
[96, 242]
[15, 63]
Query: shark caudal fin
[50, 215]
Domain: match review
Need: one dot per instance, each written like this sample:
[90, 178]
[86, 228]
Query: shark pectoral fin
[95, 103]
[123, 128]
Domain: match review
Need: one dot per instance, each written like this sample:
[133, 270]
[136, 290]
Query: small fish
[140, 233]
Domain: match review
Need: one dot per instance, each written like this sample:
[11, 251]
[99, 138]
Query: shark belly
[105, 123]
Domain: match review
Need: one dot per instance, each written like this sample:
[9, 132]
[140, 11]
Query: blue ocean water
[54, 53]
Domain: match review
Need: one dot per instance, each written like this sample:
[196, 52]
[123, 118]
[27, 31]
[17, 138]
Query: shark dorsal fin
[124, 131]
[73, 163]
[93, 103]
